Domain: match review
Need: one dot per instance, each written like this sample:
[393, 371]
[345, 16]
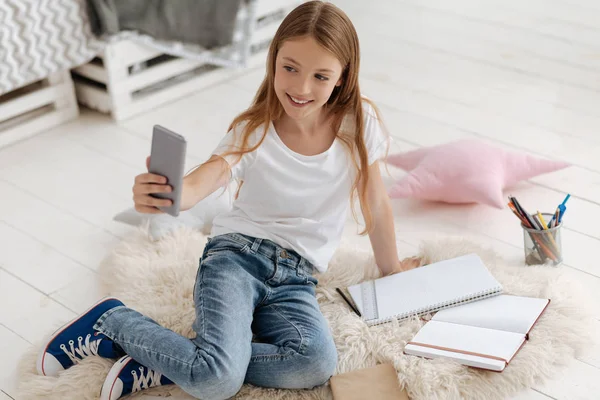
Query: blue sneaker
[77, 340]
[128, 376]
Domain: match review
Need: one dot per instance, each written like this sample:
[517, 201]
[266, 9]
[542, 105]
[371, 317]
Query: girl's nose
[304, 88]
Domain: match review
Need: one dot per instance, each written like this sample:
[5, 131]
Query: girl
[306, 144]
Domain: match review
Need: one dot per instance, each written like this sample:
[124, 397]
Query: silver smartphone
[167, 158]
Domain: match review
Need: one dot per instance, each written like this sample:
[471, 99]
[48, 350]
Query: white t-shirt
[299, 202]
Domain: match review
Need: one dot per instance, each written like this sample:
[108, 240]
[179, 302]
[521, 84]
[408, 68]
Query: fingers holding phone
[146, 185]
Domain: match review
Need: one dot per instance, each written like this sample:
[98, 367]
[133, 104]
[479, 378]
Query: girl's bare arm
[203, 181]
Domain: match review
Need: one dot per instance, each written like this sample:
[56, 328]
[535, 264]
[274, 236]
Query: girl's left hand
[407, 264]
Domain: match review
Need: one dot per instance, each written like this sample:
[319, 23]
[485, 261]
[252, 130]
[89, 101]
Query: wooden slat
[29, 128]
[93, 71]
[577, 381]
[178, 90]
[156, 74]
[128, 52]
[29, 102]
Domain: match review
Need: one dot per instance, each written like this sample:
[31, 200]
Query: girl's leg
[213, 364]
[295, 349]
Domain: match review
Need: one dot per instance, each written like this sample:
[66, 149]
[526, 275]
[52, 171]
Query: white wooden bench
[37, 107]
[130, 78]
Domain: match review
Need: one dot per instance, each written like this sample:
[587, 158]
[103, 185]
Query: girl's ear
[338, 83]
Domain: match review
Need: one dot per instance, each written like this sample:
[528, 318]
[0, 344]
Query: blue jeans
[245, 287]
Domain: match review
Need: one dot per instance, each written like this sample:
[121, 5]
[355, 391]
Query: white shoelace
[143, 382]
[84, 348]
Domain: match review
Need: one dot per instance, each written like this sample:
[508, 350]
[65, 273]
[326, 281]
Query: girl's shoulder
[239, 130]
[368, 107]
[370, 115]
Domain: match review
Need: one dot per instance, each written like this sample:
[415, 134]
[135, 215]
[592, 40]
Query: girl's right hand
[147, 184]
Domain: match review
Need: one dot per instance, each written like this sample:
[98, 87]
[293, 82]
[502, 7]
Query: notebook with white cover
[485, 334]
[424, 290]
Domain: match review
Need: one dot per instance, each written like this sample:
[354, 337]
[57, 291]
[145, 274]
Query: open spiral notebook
[424, 290]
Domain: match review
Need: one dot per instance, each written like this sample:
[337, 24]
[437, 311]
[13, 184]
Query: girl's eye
[318, 76]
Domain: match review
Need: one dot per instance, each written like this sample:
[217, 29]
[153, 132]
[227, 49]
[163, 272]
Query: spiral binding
[439, 306]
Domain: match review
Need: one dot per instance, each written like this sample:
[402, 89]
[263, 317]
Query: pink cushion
[465, 171]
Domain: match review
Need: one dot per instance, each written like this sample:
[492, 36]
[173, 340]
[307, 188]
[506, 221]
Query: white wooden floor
[524, 75]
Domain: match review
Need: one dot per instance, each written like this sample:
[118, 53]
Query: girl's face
[305, 76]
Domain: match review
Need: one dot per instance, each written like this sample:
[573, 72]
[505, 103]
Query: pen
[349, 302]
[562, 208]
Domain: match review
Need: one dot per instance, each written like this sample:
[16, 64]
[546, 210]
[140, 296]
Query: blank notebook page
[471, 339]
[504, 312]
[424, 288]
[469, 360]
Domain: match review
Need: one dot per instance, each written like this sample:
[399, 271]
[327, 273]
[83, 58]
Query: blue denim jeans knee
[257, 321]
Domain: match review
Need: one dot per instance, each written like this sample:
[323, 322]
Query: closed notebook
[424, 290]
[379, 382]
[486, 334]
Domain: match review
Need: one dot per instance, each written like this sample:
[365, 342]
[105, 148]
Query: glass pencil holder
[543, 246]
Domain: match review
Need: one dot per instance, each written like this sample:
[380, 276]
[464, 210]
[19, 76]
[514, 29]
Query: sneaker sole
[111, 378]
[42, 355]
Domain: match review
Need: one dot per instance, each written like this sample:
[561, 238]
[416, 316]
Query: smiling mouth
[298, 102]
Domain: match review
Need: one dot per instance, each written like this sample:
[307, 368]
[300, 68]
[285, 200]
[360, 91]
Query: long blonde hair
[332, 29]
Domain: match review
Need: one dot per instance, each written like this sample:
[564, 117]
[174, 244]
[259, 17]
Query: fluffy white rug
[157, 279]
